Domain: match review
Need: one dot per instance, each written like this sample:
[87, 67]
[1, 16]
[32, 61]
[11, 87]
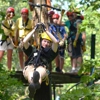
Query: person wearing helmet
[60, 33]
[74, 40]
[78, 20]
[7, 36]
[50, 14]
[23, 26]
[36, 67]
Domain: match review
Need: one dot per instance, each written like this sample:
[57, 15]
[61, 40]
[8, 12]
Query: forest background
[11, 89]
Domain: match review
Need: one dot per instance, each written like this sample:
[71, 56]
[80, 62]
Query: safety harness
[36, 59]
[4, 37]
[72, 34]
[24, 25]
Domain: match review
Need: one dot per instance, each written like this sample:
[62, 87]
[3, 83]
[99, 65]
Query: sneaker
[36, 77]
[97, 82]
[35, 85]
[74, 71]
[32, 90]
[58, 69]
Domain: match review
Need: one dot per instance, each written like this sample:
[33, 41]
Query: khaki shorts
[28, 73]
[5, 45]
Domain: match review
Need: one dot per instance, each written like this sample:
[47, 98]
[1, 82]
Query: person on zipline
[36, 67]
[8, 26]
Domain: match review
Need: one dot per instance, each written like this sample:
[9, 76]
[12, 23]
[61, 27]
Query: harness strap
[9, 28]
[1, 42]
[24, 28]
[25, 24]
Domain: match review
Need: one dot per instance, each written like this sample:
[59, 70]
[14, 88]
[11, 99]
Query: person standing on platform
[8, 26]
[23, 26]
[74, 40]
[60, 33]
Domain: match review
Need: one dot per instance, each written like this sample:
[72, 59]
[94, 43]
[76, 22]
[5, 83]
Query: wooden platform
[63, 78]
[55, 78]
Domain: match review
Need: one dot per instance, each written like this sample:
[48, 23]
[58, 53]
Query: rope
[40, 10]
[45, 5]
[73, 86]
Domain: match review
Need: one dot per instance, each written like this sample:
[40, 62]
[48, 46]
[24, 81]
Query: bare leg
[21, 59]
[74, 63]
[71, 59]
[9, 58]
[50, 67]
[61, 63]
[1, 54]
[25, 57]
[57, 61]
[79, 61]
[84, 39]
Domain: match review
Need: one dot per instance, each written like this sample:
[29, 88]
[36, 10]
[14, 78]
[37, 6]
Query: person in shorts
[7, 36]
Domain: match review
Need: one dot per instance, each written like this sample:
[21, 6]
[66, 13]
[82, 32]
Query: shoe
[35, 85]
[32, 90]
[36, 77]
[97, 82]
[74, 71]
[58, 69]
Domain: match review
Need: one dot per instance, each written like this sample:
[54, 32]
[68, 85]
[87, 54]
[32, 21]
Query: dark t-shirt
[44, 54]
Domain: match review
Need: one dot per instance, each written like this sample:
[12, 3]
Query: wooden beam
[63, 78]
[55, 78]
[45, 92]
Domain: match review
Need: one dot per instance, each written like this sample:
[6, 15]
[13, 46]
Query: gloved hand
[61, 43]
[7, 15]
[84, 48]
[62, 12]
[21, 45]
[40, 27]
[75, 43]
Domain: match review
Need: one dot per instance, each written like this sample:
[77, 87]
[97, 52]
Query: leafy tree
[91, 24]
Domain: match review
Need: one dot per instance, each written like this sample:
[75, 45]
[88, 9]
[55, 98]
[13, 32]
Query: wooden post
[39, 14]
[92, 55]
[92, 50]
[93, 46]
[43, 93]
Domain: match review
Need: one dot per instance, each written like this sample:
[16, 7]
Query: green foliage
[11, 89]
[8, 86]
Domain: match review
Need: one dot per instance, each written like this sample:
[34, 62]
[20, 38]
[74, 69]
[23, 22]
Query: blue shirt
[54, 29]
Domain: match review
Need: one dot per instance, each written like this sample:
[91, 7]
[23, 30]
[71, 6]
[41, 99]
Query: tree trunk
[40, 13]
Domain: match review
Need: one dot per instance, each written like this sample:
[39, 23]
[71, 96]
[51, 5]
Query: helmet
[82, 17]
[76, 10]
[55, 16]
[51, 12]
[24, 10]
[45, 36]
[10, 9]
[69, 13]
